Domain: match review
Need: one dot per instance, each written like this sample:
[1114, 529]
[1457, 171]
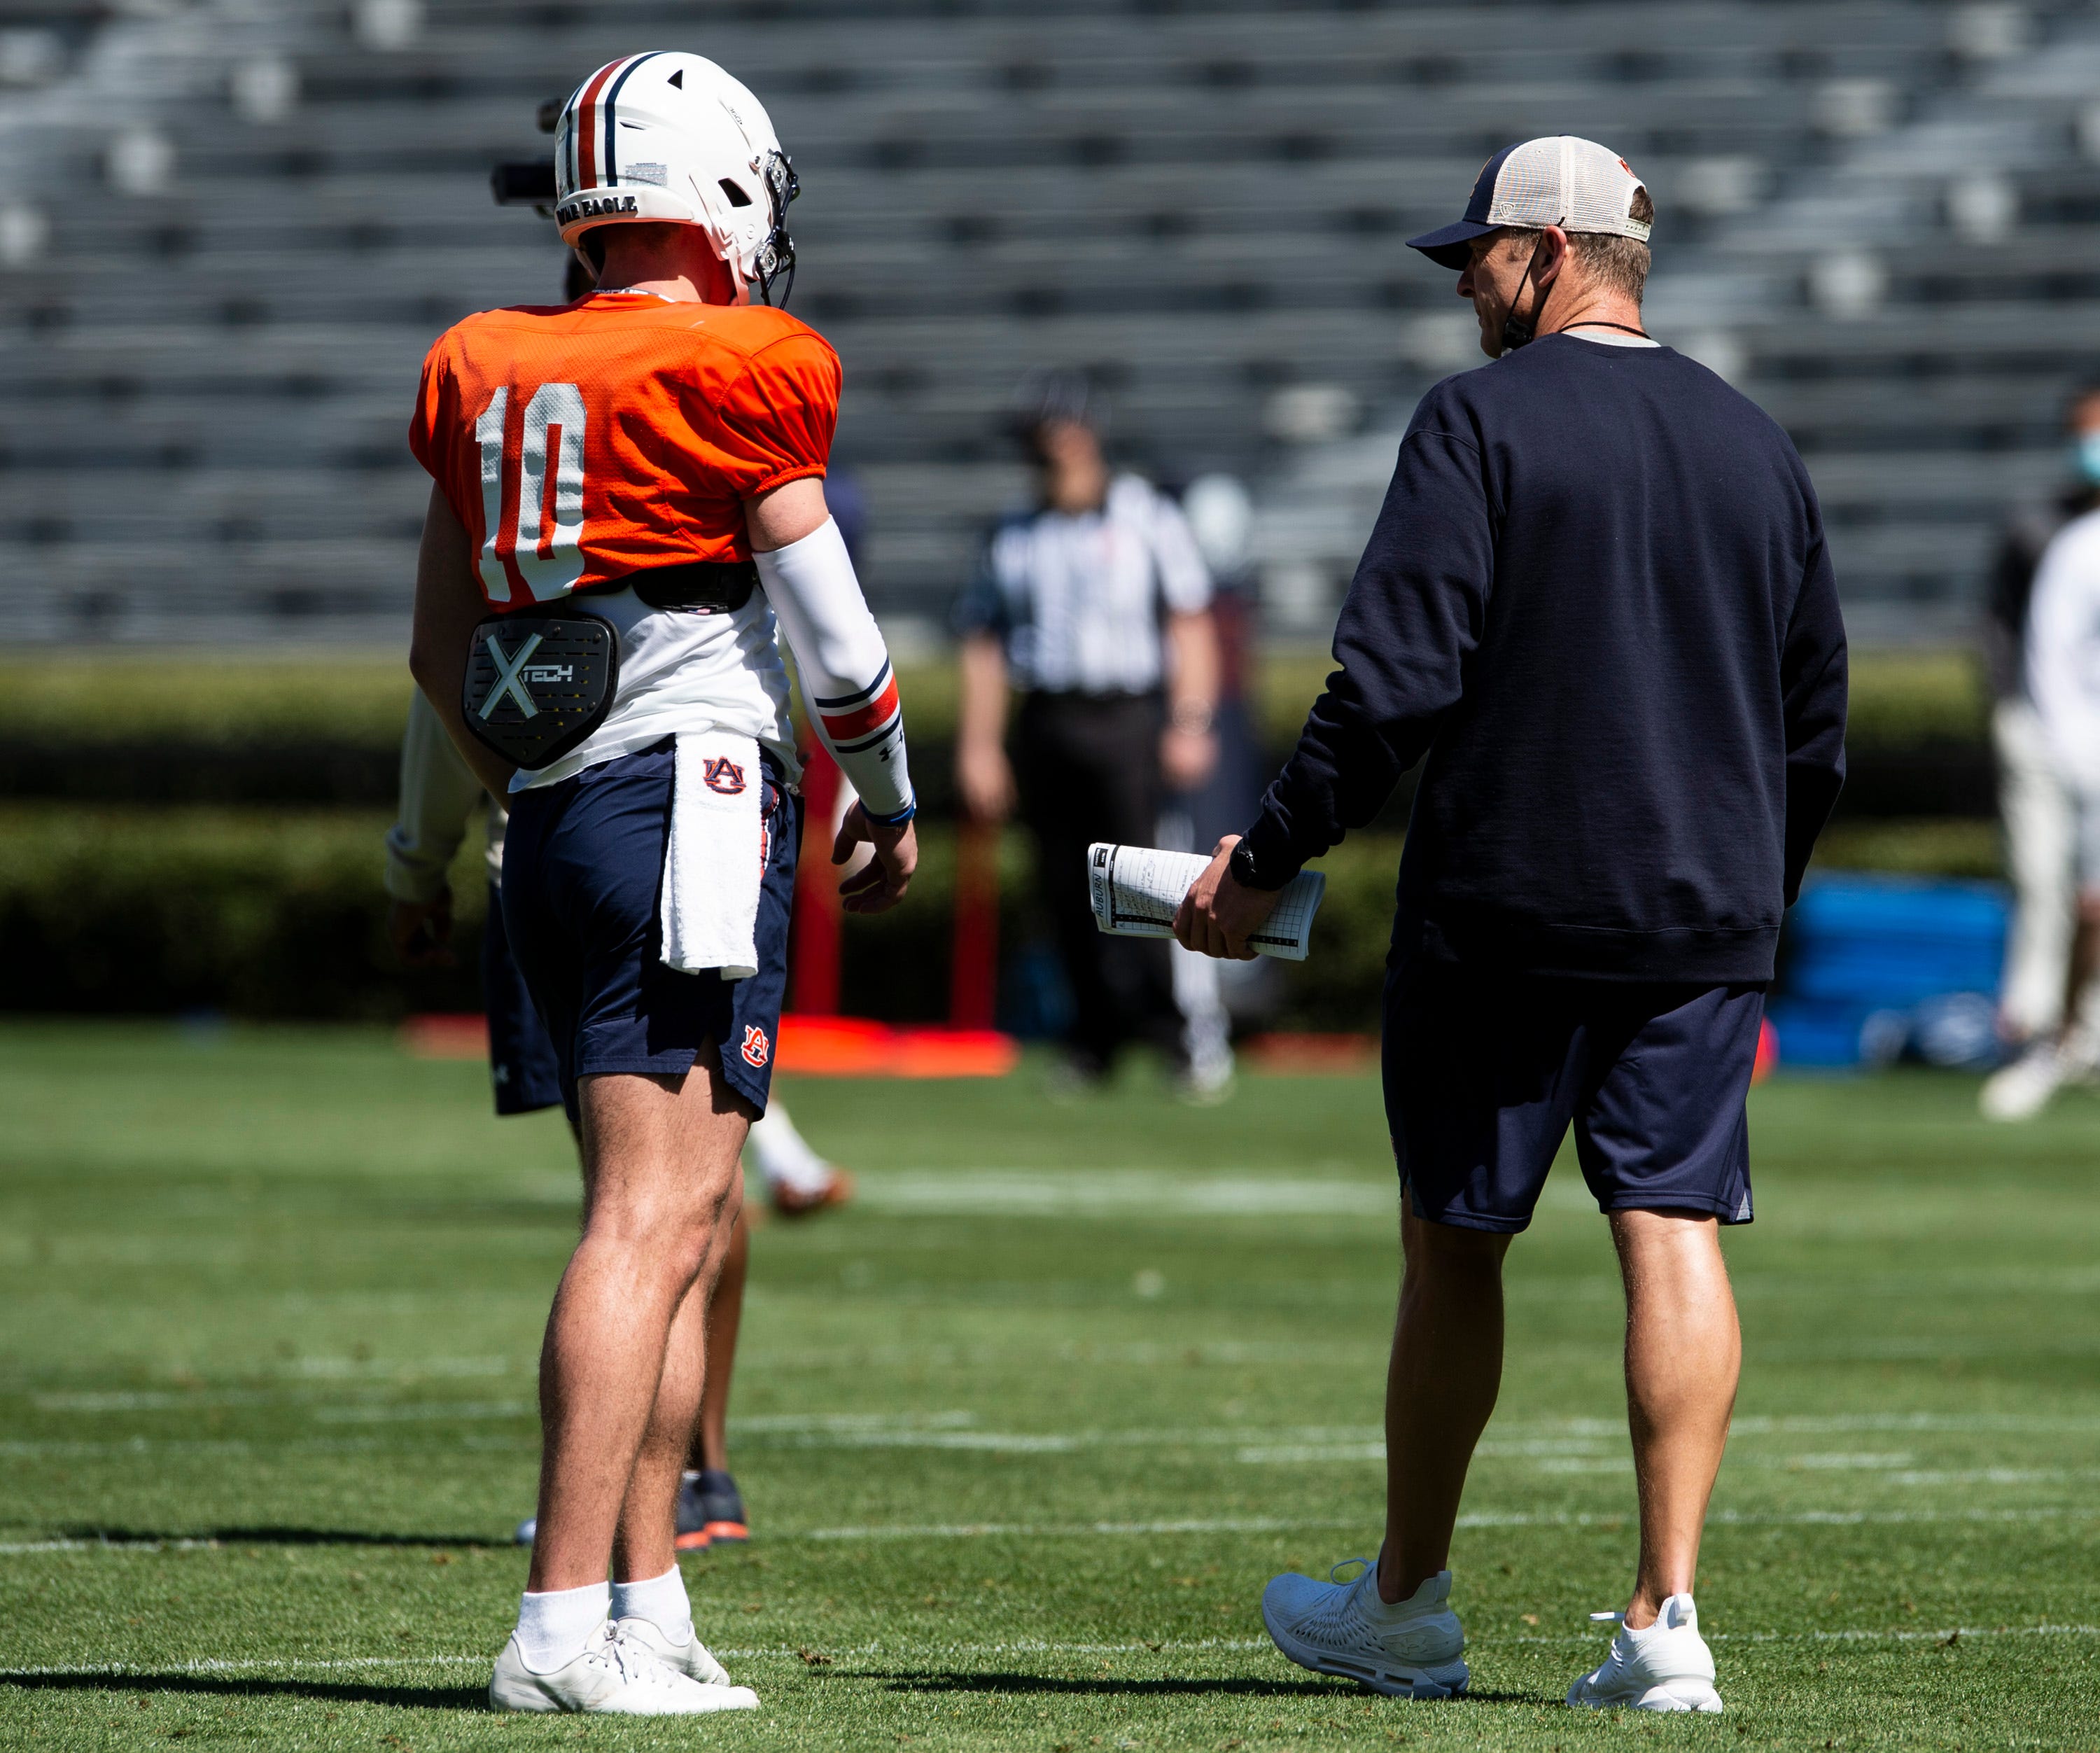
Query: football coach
[1597, 601]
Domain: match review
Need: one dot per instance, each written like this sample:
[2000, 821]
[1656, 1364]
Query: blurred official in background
[2035, 799]
[1096, 606]
[1597, 598]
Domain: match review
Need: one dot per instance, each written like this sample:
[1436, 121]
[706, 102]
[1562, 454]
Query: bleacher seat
[203, 387]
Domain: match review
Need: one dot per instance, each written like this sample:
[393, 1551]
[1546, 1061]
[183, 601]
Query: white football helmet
[664, 136]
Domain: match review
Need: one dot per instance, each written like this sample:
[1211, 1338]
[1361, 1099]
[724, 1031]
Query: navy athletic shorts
[522, 1066]
[1484, 1071]
[583, 871]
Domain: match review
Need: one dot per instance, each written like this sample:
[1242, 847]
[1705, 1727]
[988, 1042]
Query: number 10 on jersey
[531, 493]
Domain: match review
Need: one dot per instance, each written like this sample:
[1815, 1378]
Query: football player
[627, 514]
[438, 795]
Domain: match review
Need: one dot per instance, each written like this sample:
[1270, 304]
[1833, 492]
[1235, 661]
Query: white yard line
[1819, 1518]
[921, 1652]
[980, 1531]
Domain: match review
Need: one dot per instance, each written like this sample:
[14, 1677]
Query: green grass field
[1023, 1431]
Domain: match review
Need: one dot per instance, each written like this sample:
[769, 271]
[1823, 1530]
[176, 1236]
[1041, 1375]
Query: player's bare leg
[1684, 1353]
[643, 1546]
[1440, 1387]
[660, 1161]
[709, 1444]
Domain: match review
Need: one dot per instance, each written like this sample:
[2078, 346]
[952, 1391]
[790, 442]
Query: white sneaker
[2022, 1090]
[615, 1676]
[527, 1530]
[692, 1658]
[1664, 1667]
[1409, 1650]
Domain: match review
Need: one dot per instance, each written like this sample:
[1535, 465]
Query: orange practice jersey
[581, 443]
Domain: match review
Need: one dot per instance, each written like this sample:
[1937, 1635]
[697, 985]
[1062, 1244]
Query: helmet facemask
[777, 256]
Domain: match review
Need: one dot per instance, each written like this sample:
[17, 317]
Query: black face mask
[1516, 331]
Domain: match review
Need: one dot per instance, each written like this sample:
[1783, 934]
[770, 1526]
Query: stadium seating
[234, 227]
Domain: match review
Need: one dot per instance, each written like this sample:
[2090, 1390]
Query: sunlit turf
[1023, 1431]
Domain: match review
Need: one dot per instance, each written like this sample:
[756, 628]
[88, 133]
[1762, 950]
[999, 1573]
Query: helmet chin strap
[1516, 331]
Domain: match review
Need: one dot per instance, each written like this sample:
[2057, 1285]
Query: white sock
[554, 1628]
[784, 1155]
[661, 1600]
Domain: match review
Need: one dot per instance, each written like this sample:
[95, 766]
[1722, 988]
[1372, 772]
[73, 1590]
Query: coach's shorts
[1484, 1072]
[523, 1067]
[583, 871]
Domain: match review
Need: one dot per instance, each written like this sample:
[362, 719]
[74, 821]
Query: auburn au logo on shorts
[723, 775]
[757, 1049]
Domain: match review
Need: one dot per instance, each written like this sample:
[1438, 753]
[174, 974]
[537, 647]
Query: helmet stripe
[612, 150]
[587, 126]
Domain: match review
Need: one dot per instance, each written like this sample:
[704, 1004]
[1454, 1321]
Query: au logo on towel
[723, 775]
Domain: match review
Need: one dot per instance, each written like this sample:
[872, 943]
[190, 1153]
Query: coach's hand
[1220, 913]
[879, 884]
[422, 931]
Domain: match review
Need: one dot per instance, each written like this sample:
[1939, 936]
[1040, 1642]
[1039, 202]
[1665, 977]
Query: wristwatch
[1241, 865]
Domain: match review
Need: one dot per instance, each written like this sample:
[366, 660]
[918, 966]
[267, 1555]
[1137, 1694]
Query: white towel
[714, 858]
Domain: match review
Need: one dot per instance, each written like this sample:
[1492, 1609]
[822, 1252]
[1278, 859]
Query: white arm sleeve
[847, 683]
[2064, 653]
[439, 792]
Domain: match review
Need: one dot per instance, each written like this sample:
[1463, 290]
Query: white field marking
[1896, 1348]
[1815, 1518]
[156, 1400]
[128, 1448]
[1842, 1461]
[1311, 1454]
[397, 1369]
[1817, 1424]
[12, 1548]
[425, 1413]
[769, 1423]
[1023, 1646]
[1143, 1354]
[1124, 1192]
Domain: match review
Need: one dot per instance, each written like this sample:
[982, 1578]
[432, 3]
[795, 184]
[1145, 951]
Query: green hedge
[280, 913]
[1898, 699]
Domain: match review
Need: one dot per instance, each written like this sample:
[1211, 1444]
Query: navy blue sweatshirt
[1597, 597]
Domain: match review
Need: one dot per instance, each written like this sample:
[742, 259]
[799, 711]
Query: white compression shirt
[681, 670]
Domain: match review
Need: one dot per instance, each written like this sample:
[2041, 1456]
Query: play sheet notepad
[1135, 890]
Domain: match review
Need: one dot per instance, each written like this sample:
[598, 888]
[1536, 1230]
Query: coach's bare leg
[1440, 1389]
[660, 1189]
[1684, 1353]
[710, 1441]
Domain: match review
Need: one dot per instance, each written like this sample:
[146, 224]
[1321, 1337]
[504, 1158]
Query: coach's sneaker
[1664, 1666]
[710, 1512]
[1410, 1649]
[691, 1658]
[615, 1676]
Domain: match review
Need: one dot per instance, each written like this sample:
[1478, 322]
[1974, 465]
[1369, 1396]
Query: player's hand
[879, 885]
[1219, 913]
[422, 931]
[1187, 757]
[985, 777]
